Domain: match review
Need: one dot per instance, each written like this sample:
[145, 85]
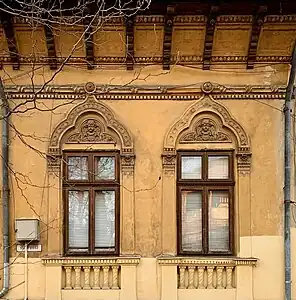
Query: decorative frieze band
[157, 19]
[113, 92]
[190, 19]
[280, 19]
[234, 19]
[179, 19]
[175, 59]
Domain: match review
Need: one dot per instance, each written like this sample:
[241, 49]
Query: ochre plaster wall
[149, 121]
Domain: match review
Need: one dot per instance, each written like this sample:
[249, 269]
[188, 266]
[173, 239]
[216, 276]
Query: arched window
[91, 152]
[200, 151]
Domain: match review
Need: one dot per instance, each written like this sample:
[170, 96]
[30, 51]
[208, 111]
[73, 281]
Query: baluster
[191, 277]
[86, 278]
[96, 278]
[219, 277]
[106, 277]
[229, 277]
[201, 277]
[77, 278]
[210, 277]
[114, 285]
[182, 277]
[68, 285]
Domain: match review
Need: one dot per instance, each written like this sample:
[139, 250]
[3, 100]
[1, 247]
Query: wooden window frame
[205, 185]
[91, 185]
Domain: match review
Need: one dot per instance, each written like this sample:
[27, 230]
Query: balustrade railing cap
[90, 261]
[204, 261]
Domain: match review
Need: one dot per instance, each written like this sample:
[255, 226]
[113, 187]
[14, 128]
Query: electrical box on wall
[27, 230]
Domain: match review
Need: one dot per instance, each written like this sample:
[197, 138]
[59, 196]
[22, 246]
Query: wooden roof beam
[129, 34]
[167, 39]
[209, 37]
[52, 57]
[258, 21]
[11, 41]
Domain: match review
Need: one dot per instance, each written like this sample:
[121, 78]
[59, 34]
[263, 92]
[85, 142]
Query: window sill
[90, 261]
[207, 261]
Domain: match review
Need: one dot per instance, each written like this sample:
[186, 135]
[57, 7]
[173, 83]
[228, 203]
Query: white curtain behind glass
[105, 168]
[78, 219]
[191, 221]
[77, 168]
[191, 167]
[105, 219]
[218, 167]
[218, 221]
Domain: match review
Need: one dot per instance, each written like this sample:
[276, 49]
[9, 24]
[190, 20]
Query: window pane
[105, 219]
[191, 167]
[218, 167]
[77, 168]
[218, 221]
[78, 219]
[105, 168]
[191, 221]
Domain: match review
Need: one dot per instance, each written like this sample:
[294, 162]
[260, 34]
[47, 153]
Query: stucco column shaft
[53, 283]
[244, 213]
[127, 212]
[54, 221]
[169, 283]
[169, 212]
[244, 283]
[128, 283]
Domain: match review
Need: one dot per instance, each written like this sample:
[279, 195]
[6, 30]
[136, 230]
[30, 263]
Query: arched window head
[204, 124]
[91, 122]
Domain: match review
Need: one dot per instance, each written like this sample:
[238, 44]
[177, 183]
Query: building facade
[155, 177]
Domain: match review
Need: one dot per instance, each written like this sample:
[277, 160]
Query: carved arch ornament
[207, 121]
[90, 122]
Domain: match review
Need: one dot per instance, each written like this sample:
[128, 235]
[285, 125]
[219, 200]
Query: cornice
[148, 59]
[143, 20]
[62, 261]
[208, 261]
[226, 19]
[174, 93]
[68, 20]
[175, 59]
[190, 19]
[280, 19]
[159, 19]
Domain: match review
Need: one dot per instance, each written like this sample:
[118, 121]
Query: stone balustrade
[91, 274]
[206, 277]
[196, 276]
[91, 277]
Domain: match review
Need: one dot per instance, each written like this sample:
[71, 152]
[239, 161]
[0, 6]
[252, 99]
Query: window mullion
[205, 221]
[231, 219]
[91, 221]
[91, 167]
[205, 166]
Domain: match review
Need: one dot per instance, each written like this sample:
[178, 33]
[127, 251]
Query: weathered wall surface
[36, 193]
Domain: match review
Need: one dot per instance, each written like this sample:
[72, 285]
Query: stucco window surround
[106, 133]
[222, 132]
